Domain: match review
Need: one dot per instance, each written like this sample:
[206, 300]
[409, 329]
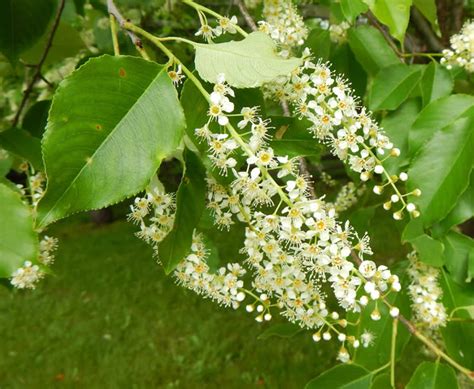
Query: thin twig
[37, 75]
[425, 30]
[387, 37]
[113, 10]
[245, 13]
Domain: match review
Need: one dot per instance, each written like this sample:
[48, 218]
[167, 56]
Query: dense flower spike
[461, 52]
[349, 131]
[284, 24]
[426, 294]
[296, 249]
[224, 286]
[27, 276]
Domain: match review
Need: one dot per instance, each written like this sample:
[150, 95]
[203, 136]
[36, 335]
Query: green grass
[110, 318]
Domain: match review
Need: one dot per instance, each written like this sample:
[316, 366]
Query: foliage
[261, 177]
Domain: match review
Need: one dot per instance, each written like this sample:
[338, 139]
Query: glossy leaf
[18, 240]
[396, 125]
[393, 13]
[437, 82]
[291, 138]
[430, 250]
[281, 330]
[458, 248]
[23, 145]
[36, 118]
[110, 125]
[67, 42]
[343, 377]
[190, 203]
[464, 210]
[429, 10]
[381, 382]
[353, 8]
[392, 86]
[22, 23]
[437, 115]
[320, 43]
[371, 49]
[246, 64]
[441, 170]
[458, 336]
[431, 375]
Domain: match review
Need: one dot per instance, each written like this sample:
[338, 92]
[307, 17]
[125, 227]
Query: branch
[37, 75]
[424, 28]
[113, 10]
[245, 13]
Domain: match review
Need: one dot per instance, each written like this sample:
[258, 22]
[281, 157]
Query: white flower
[220, 105]
[27, 276]
[226, 25]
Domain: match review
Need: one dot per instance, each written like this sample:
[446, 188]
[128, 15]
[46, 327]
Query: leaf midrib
[105, 141]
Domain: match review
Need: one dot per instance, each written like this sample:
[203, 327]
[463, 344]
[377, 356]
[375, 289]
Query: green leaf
[413, 230]
[437, 115]
[396, 125]
[437, 82]
[458, 248]
[441, 170]
[23, 145]
[470, 267]
[342, 377]
[464, 210]
[429, 11]
[353, 8]
[381, 382]
[190, 203]
[392, 86]
[458, 336]
[6, 163]
[36, 118]
[18, 240]
[393, 13]
[345, 63]
[291, 137]
[431, 375]
[371, 49]
[430, 251]
[281, 330]
[22, 23]
[110, 125]
[320, 43]
[246, 64]
[67, 42]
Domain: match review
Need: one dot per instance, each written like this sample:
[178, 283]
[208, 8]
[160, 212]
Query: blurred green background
[110, 318]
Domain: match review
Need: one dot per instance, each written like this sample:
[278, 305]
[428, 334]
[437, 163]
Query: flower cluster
[426, 294]
[296, 250]
[27, 276]
[327, 101]
[338, 32]
[347, 197]
[461, 52]
[224, 25]
[284, 24]
[37, 184]
[154, 212]
[224, 286]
